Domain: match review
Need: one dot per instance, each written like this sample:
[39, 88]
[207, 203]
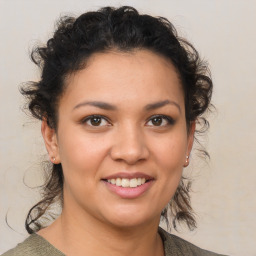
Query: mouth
[128, 179]
[128, 183]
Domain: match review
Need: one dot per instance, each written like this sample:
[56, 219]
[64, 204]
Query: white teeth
[119, 182]
[126, 183]
[133, 183]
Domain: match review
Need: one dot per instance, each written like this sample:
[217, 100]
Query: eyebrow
[160, 104]
[98, 104]
[107, 106]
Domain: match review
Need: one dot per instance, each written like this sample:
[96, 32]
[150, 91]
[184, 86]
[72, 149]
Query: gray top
[36, 245]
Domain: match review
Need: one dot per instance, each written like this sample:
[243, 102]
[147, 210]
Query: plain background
[224, 189]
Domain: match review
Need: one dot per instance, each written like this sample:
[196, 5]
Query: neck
[88, 236]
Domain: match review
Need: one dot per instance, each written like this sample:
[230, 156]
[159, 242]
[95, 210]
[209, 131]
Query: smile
[127, 183]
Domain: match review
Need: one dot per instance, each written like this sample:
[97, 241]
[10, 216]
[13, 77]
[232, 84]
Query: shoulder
[175, 245]
[34, 245]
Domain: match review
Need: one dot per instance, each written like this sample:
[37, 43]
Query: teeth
[119, 182]
[133, 183]
[127, 183]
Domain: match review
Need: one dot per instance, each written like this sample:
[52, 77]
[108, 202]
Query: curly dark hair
[122, 29]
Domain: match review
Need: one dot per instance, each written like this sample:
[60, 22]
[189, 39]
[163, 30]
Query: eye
[96, 120]
[160, 120]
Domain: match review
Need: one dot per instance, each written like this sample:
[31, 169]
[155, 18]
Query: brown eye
[95, 120]
[160, 120]
[157, 121]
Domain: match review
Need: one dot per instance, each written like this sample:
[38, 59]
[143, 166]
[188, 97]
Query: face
[122, 138]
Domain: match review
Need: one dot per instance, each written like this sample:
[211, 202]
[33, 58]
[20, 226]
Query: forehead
[118, 76]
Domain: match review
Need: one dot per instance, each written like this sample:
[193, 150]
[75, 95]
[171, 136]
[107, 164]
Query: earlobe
[51, 143]
[190, 142]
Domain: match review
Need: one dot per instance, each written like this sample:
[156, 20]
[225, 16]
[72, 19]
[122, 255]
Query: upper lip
[128, 175]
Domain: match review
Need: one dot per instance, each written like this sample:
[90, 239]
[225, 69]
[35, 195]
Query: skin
[95, 220]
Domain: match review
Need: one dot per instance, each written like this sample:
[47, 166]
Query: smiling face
[122, 138]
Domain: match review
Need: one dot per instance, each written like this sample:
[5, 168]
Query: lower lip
[129, 193]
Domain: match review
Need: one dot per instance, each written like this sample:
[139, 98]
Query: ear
[51, 143]
[190, 142]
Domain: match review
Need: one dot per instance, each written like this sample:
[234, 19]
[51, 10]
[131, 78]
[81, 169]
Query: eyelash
[94, 116]
[170, 121]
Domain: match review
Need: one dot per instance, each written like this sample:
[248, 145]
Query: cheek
[81, 159]
[81, 155]
[170, 151]
[170, 161]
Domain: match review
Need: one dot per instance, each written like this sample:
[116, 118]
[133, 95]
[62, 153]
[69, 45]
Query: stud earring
[53, 159]
[187, 157]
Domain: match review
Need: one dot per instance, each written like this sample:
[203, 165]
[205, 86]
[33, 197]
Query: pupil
[96, 121]
[157, 121]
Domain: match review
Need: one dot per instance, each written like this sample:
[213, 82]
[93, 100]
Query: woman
[119, 98]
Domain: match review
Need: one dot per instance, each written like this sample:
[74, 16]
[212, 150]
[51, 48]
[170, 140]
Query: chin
[126, 224]
[129, 217]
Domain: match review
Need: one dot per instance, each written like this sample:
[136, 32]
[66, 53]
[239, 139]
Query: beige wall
[224, 190]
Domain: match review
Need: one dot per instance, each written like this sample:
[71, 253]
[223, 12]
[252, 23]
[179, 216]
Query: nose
[129, 146]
